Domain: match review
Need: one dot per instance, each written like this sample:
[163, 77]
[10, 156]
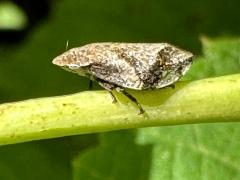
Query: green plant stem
[203, 101]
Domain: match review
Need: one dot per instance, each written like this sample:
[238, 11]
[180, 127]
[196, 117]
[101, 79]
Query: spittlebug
[136, 66]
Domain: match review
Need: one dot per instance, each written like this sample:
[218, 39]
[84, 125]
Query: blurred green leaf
[221, 57]
[12, 17]
[124, 160]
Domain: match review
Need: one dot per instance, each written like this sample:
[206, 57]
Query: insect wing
[116, 71]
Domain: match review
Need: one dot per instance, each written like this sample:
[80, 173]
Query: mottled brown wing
[117, 72]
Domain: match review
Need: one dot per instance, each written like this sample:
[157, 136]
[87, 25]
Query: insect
[119, 66]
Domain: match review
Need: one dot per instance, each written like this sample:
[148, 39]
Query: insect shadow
[149, 98]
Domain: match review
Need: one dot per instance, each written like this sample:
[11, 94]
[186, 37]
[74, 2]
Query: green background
[207, 151]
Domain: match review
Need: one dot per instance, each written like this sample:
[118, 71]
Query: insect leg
[133, 99]
[109, 88]
[171, 86]
[90, 85]
[114, 100]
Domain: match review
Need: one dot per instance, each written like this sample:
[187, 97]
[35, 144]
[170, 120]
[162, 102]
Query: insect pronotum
[136, 66]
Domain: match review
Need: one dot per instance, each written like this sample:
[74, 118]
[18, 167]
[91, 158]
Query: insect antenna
[67, 44]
